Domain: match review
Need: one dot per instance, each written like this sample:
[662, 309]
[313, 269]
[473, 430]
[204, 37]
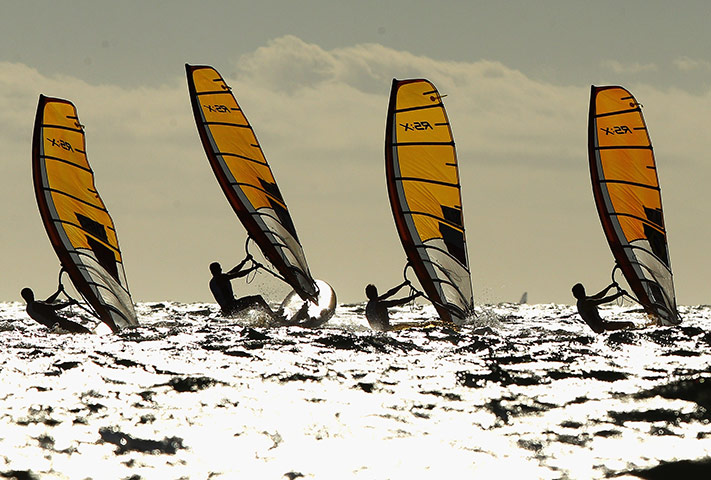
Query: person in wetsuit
[376, 310]
[221, 288]
[45, 312]
[587, 308]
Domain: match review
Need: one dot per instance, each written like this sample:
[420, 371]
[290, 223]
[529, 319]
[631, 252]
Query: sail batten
[628, 198]
[427, 180]
[64, 127]
[89, 235]
[625, 147]
[632, 184]
[227, 124]
[422, 144]
[242, 157]
[76, 220]
[216, 92]
[73, 197]
[61, 160]
[618, 112]
[642, 220]
[245, 176]
[425, 195]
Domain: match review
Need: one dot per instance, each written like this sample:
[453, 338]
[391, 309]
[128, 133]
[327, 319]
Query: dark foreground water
[525, 391]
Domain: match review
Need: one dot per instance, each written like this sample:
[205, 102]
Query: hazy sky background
[314, 79]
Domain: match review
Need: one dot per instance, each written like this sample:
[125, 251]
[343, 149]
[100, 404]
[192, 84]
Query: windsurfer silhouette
[587, 308]
[376, 310]
[45, 312]
[221, 288]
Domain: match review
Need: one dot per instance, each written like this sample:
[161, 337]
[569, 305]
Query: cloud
[320, 117]
[498, 109]
[628, 68]
[686, 64]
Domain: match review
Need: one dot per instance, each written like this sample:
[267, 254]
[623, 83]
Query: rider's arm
[600, 301]
[240, 274]
[603, 292]
[59, 306]
[402, 301]
[393, 291]
[235, 272]
[54, 296]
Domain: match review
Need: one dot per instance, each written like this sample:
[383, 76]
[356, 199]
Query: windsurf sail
[246, 178]
[425, 195]
[75, 218]
[628, 197]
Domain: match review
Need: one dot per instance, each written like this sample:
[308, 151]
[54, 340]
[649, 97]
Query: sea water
[522, 391]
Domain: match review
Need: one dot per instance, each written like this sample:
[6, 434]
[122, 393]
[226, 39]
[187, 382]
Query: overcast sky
[314, 78]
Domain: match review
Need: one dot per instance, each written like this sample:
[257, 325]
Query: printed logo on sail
[217, 108]
[61, 144]
[417, 126]
[616, 130]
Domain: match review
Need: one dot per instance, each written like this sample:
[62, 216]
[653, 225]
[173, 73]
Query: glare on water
[522, 390]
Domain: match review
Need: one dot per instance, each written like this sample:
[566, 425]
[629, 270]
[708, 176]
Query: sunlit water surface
[524, 391]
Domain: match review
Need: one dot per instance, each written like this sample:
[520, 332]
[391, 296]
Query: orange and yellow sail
[77, 222]
[246, 179]
[425, 195]
[628, 198]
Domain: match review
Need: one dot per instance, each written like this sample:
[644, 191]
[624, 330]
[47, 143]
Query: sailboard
[628, 197]
[425, 196]
[247, 181]
[76, 220]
